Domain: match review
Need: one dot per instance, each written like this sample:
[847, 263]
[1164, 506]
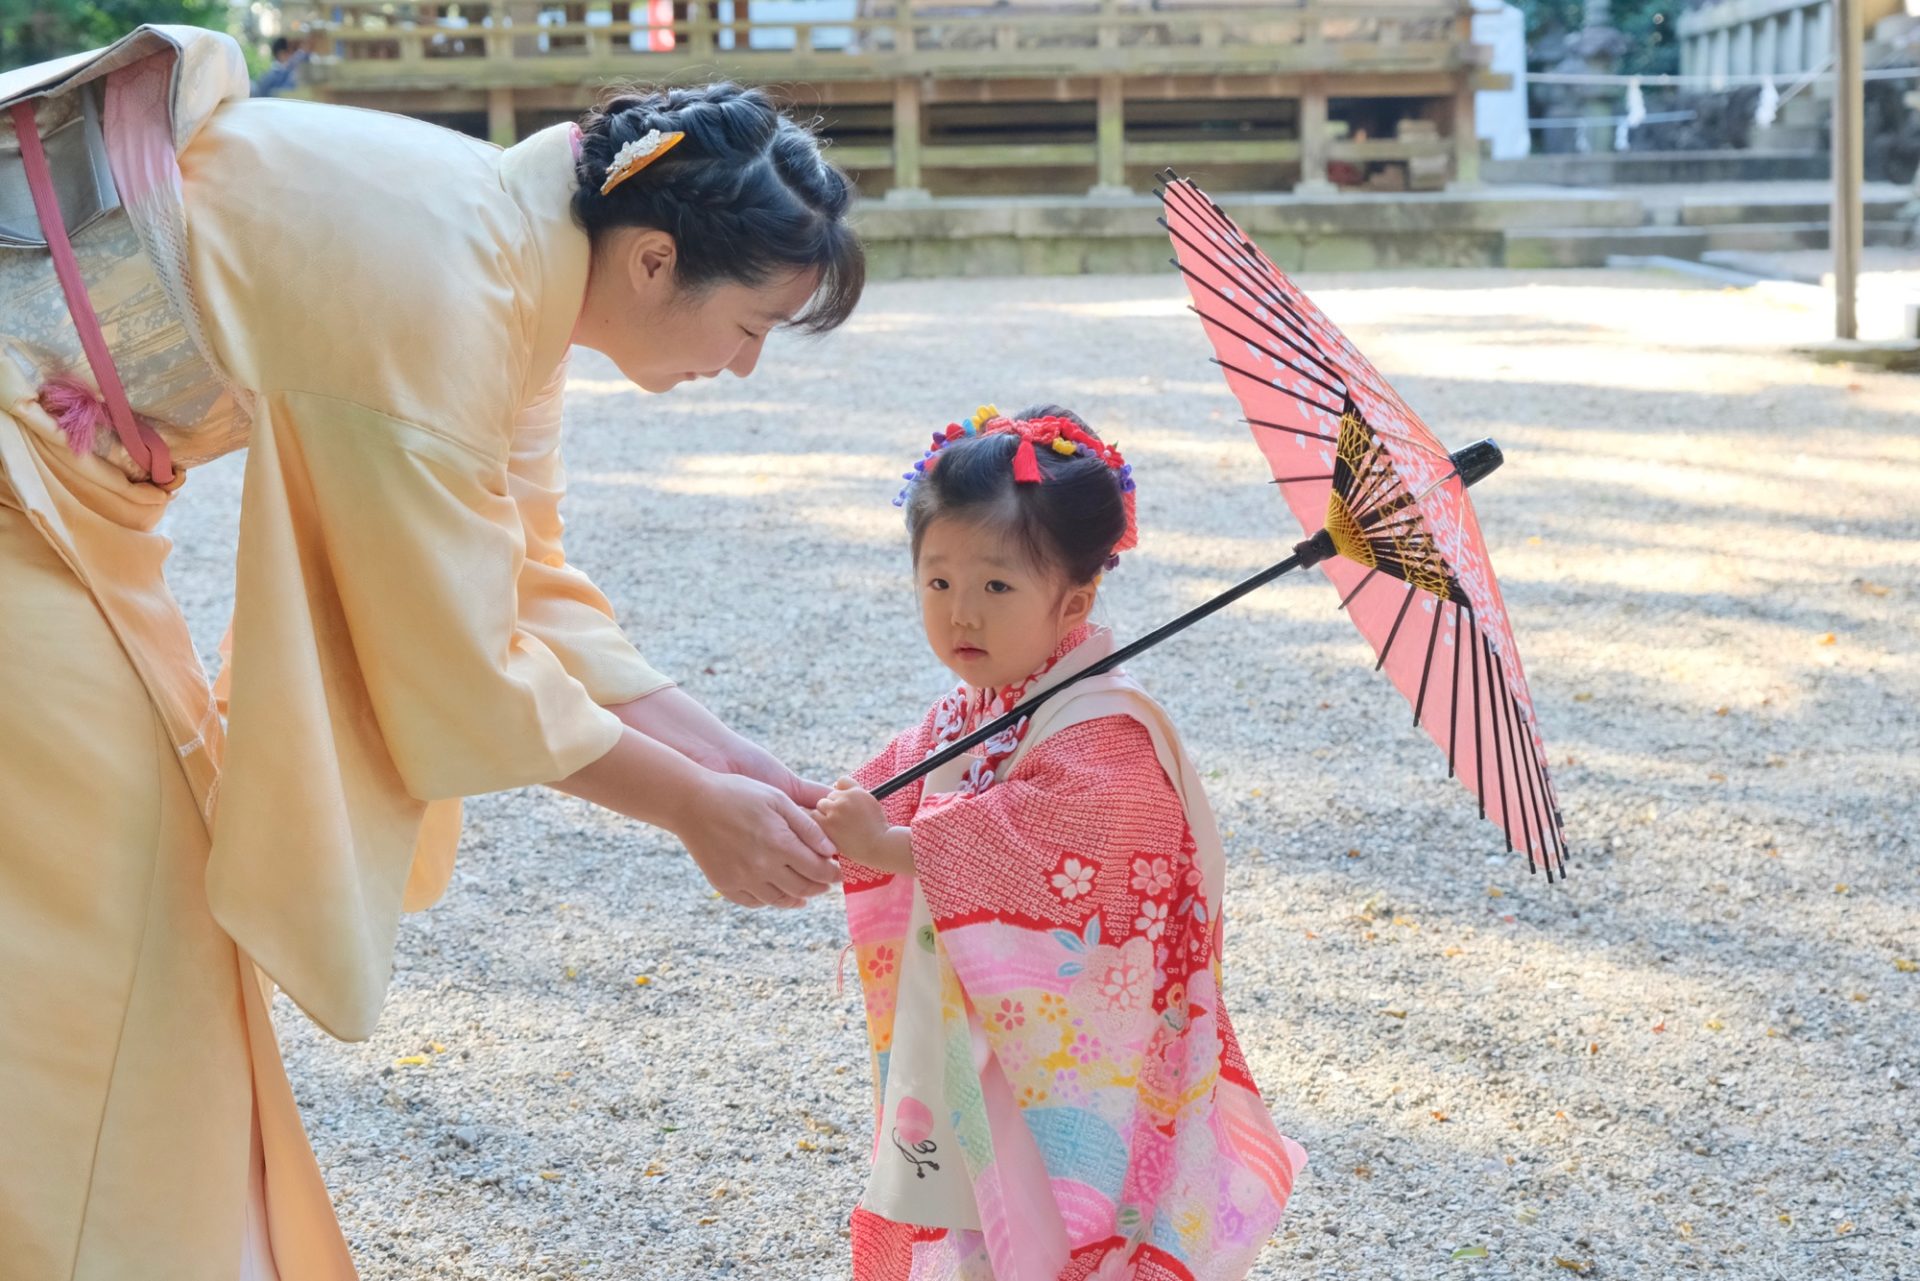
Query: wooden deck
[1018, 97]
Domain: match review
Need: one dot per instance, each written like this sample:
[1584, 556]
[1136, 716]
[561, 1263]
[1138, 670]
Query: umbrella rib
[1499, 756]
[1395, 629]
[1297, 431]
[1295, 480]
[1365, 579]
[1304, 353]
[1238, 271]
[1287, 391]
[1426, 667]
[1211, 212]
[1519, 782]
[1530, 804]
[1551, 838]
[1263, 289]
[1453, 693]
[1293, 335]
[1479, 764]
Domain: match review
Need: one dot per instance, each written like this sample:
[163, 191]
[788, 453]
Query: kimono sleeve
[559, 605]
[379, 663]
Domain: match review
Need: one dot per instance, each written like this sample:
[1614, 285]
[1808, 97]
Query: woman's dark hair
[1070, 521]
[746, 195]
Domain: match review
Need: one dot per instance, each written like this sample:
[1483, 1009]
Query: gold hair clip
[637, 155]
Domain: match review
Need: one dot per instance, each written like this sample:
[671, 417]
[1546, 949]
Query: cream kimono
[380, 312]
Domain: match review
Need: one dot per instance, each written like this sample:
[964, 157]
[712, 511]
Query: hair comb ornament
[1062, 435]
[637, 155]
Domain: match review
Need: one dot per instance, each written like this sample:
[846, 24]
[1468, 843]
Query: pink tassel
[1026, 468]
[78, 413]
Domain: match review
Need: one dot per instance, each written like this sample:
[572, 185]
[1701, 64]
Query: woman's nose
[747, 357]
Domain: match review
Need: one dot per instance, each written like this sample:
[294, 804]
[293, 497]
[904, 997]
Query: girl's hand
[857, 824]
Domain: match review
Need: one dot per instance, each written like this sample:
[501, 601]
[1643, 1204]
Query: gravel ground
[1691, 1059]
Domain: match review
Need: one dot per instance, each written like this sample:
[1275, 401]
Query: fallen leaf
[1407, 921]
[1452, 951]
[1686, 1229]
[1772, 1032]
[641, 980]
[1363, 1172]
[1905, 966]
[1441, 1117]
[1661, 1026]
[1593, 1047]
[411, 1060]
[1859, 996]
[1871, 588]
[1842, 888]
[437, 1048]
[1717, 777]
[1472, 1251]
[653, 1171]
[1787, 1219]
[1353, 853]
[1715, 1025]
[1583, 698]
[550, 1175]
[1533, 540]
[572, 974]
[1560, 1116]
[717, 1193]
[1395, 1014]
[1843, 1229]
[1828, 639]
[807, 1145]
[1369, 936]
[707, 1222]
[1579, 1266]
[1310, 934]
[1494, 891]
[1527, 1215]
[1720, 710]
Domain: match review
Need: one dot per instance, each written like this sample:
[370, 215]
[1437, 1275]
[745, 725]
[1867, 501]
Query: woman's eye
[997, 587]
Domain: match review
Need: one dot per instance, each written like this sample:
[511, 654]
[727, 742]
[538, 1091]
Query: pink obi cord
[79, 414]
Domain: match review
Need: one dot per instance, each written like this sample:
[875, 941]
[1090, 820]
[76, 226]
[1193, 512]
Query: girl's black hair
[746, 195]
[1070, 521]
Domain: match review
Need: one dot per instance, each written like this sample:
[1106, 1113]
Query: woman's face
[661, 335]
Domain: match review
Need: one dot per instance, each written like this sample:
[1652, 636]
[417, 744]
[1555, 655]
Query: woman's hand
[858, 826]
[676, 718]
[755, 845]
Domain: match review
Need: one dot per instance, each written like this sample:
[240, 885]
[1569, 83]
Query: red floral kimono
[1059, 1093]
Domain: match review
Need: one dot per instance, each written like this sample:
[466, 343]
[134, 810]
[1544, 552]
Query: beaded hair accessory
[1062, 435]
[637, 155]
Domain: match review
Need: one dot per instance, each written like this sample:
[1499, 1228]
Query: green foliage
[1651, 28]
[35, 30]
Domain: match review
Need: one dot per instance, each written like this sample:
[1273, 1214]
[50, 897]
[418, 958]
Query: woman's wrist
[674, 717]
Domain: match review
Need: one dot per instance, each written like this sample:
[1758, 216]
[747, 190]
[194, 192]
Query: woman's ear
[651, 254]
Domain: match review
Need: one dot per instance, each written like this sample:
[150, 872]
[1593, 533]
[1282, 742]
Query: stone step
[1592, 246]
[1709, 212]
[1770, 237]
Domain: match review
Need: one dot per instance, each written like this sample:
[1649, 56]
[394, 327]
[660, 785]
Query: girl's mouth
[968, 651]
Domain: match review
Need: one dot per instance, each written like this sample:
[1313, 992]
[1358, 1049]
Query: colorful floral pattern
[1070, 922]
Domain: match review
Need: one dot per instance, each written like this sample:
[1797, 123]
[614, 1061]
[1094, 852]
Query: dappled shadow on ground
[1683, 1060]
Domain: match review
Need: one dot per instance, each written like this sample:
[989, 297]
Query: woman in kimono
[379, 312]
[1058, 1091]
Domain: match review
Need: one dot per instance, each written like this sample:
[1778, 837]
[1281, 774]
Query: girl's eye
[751, 335]
[937, 584]
[997, 587]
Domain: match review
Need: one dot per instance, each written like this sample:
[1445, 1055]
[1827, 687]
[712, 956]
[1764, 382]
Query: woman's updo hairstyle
[1070, 521]
[746, 195]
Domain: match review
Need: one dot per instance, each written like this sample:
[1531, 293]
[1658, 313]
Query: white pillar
[1794, 59]
[1766, 54]
[1742, 64]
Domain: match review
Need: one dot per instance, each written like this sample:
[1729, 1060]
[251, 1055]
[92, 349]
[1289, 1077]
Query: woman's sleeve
[559, 605]
[379, 663]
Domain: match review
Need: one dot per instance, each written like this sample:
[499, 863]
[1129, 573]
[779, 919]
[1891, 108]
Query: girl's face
[990, 614]
[661, 335]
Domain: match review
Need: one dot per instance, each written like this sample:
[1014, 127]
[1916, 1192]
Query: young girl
[1059, 1091]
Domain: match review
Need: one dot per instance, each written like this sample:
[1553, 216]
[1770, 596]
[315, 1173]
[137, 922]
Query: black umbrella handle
[1310, 552]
